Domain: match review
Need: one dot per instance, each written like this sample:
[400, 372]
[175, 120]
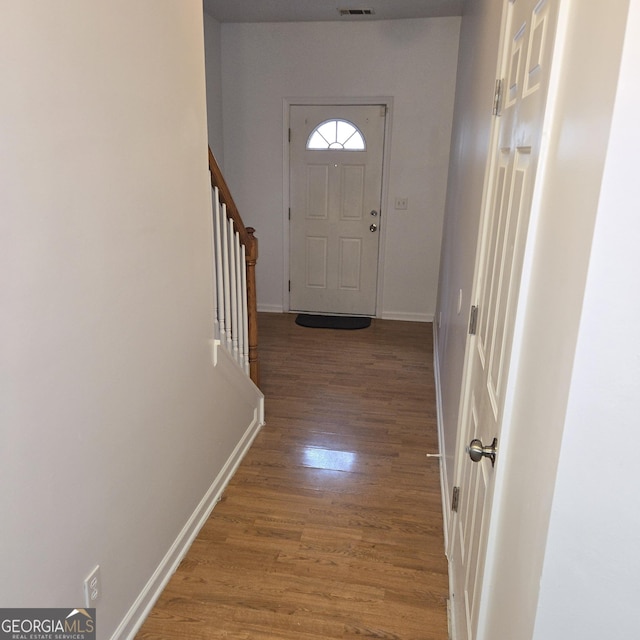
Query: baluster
[226, 277]
[217, 227]
[233, 286]
[239, 293]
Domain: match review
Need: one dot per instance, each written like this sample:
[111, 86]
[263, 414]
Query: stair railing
[236, 254]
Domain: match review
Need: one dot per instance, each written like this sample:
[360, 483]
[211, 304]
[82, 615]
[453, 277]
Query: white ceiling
[325, 10]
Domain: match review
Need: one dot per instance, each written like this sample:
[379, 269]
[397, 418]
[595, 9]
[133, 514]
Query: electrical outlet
[402, 203]
[92, 588]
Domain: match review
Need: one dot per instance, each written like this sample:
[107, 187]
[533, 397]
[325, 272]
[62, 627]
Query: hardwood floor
[332, 525]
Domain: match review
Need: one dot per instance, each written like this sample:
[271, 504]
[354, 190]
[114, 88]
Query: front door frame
[287, 103]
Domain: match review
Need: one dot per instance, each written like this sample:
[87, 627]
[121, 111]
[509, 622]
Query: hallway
[332, 524]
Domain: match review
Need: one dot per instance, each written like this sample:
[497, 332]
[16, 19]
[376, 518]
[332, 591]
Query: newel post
[251, 257]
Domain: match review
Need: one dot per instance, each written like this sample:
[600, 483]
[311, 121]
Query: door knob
[373, 227]
[477, 450]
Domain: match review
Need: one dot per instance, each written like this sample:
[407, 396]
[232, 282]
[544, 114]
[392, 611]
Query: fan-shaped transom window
[340, 135]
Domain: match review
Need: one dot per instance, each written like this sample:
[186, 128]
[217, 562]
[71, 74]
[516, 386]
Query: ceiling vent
[356, 12]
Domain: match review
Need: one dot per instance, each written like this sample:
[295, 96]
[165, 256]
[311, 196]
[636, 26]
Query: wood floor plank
[332, 525]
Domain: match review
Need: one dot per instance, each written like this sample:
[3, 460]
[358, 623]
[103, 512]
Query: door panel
[352, 192]
[530, 28]
[350, 261]
[332, 194]
[316, 265]
[317, 193]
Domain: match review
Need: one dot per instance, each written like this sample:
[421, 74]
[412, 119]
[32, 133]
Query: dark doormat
[332, 322]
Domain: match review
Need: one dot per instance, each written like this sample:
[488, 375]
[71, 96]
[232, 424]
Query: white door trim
[344, 100]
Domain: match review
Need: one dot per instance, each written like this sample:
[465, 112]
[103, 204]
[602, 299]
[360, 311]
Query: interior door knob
[477, 450]
[373, 227]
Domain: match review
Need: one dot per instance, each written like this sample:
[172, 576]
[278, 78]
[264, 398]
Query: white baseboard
[407, 316]
[271, 308]
[161, 576]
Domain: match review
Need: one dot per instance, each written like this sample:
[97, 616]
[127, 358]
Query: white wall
[413, 61]
[213, 68]
[589, 586]
[114, 423]
[479, 37]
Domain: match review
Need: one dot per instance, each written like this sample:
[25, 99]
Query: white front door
[335, 194]
[528, 42]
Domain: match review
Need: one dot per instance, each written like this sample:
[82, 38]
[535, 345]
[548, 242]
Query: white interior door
[528, 42]
[335, 193]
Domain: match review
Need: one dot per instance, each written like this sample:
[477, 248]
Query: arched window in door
[336, 135]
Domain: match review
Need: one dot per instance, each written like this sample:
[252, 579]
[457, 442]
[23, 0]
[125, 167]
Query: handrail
[250, 243]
